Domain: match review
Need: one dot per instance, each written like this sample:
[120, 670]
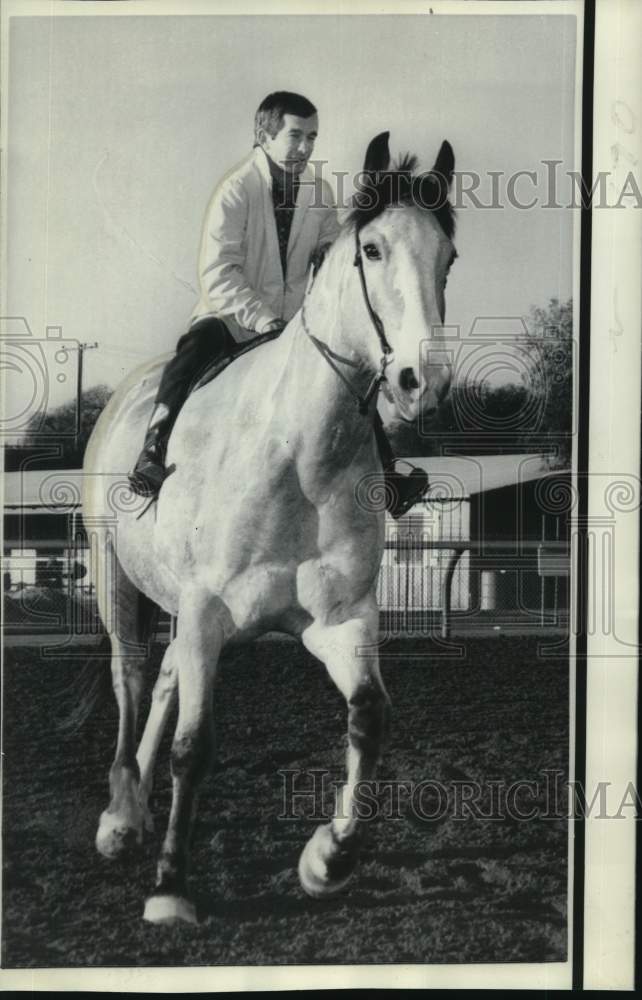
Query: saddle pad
[217, 366]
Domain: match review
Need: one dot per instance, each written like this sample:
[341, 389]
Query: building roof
[53, 491]
[466, 475]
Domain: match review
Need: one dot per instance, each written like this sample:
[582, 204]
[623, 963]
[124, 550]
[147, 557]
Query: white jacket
[240, 267]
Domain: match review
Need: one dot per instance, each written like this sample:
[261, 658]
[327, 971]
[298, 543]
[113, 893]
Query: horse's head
[404, 225]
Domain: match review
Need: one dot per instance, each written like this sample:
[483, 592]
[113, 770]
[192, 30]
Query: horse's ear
[377, 154]
[445, 163]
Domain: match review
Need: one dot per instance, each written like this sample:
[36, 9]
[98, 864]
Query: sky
[119, 129]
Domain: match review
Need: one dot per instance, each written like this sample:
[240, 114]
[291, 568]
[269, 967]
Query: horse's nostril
[407, 380]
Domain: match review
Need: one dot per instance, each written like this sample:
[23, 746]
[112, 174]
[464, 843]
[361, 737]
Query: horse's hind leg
[349, 653]
[131, 616]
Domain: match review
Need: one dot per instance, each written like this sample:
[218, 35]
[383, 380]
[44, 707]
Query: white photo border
[614, 448]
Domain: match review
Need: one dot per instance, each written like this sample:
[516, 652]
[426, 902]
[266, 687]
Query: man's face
[292, 146]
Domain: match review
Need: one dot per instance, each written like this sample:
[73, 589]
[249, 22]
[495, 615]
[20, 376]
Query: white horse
[262, 525]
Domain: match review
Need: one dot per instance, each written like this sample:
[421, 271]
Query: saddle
[218, 365]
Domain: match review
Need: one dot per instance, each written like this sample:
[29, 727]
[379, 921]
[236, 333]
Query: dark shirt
[285, 187]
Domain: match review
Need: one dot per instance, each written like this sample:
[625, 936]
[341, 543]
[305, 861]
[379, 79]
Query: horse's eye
[371, 252]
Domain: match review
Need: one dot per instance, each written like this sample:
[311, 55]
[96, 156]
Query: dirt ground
[454, 888]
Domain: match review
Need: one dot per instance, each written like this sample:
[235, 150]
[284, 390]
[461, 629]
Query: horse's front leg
[196, 650]
[330, 856]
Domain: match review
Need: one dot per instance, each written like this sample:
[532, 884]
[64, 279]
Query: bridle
[387, 356]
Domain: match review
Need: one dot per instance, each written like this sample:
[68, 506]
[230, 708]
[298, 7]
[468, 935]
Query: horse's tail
[90, 689]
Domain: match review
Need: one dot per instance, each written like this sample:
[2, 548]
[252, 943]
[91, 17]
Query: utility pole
[81, 350]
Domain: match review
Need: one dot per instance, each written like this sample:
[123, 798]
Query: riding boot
[150, 473]
[402, 490]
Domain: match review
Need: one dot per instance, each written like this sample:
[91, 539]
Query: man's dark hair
[271, 110]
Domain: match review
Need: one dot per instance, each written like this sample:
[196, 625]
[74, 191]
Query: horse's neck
[331, 430]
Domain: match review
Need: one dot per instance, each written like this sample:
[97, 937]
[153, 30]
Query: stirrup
[142, 487]
[147, 477]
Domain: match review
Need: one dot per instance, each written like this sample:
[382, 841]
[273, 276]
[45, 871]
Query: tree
[59, 427]
[551, 353]
[474, 419]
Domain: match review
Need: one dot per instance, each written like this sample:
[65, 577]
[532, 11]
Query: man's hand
[275, 326]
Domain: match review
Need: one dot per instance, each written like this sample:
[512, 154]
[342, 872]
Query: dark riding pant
[207, 341]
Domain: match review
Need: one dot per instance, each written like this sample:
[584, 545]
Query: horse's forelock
[401, 186]
[407, 164]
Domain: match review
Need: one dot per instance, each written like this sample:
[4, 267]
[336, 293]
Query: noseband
[363, 401]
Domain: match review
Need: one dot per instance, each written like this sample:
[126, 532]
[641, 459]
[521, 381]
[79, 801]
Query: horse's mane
[402, 186]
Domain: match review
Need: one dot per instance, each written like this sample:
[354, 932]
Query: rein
[363, 401]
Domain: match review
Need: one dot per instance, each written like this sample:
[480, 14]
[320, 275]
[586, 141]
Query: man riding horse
[263, 230]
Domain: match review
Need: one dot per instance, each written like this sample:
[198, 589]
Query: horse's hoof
[326, 865]
[169, 910]
[116, 837]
